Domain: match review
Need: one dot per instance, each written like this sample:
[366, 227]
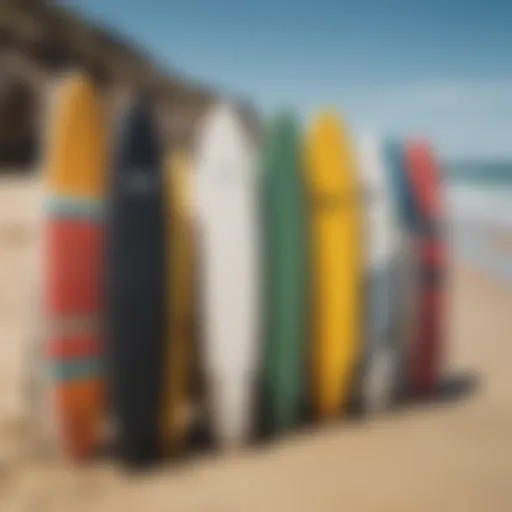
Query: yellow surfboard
[336, 263]
[75, 150]
[180, 347]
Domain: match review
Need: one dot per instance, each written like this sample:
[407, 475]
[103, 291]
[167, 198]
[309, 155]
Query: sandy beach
[502, 242]
[454, 454]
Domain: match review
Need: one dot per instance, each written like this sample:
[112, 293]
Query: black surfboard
[136, 281]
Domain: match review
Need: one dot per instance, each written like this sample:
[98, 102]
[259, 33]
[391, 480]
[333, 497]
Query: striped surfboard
[75, 171]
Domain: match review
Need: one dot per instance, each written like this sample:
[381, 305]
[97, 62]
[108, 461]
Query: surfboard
[284, 219]
[381, 340]
[136, 277]
[406, 274]
[336, 263]
[428, 350]
[181, 303]
[229, 270]
[74, 169]
[38, 385]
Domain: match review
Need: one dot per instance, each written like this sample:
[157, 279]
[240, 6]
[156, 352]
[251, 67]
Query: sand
[454, 454]
[502, 242]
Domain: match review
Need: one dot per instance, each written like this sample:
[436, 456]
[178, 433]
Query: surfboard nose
[138, 141]
[222, 137]
[74, 155]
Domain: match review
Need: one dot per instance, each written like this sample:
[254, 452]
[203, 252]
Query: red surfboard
[427, 356]
[74, 166]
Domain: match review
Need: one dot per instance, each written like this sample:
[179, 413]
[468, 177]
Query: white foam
[480, 205]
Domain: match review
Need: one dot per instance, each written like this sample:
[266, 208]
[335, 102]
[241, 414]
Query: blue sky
[442, 69]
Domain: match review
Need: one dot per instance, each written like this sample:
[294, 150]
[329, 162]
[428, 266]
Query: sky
[441, 69]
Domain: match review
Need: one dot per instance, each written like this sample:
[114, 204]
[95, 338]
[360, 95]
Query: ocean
[480, 194]
[478, 198]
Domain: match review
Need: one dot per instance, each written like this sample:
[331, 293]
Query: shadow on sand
[457, 387]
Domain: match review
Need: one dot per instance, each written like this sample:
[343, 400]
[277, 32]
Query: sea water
[478, 198]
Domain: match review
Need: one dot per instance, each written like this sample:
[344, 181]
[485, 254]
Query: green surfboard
[285, 253]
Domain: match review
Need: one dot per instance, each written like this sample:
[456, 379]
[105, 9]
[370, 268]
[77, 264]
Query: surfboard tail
[232, 412]
[81, 425]
[378, 383]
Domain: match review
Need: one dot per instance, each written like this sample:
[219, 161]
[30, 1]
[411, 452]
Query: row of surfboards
[249, 283]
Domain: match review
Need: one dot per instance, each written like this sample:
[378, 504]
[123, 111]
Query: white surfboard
[407, 266]
[406, 308]
[36, 385]
[381, 238]
[227, 214]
